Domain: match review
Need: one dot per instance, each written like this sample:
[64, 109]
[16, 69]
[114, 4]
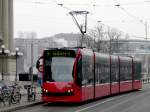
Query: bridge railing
[146, 80]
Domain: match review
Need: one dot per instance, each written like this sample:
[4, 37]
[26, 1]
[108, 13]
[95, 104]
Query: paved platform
[23, 104]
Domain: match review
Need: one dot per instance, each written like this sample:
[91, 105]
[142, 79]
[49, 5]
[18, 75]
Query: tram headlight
[69, 91]
[46, 91]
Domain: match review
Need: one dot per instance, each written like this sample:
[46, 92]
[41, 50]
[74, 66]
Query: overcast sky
[47, 18]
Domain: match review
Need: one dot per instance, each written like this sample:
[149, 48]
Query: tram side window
[125, 72]
[128, 69]
[84, 80]
[102, 73]
[48, 72]
[105, 73]
[90, 77]
[114, 73]
[137, 69]
[87, 73]
[79, 71]
[122, 73]
[129, 72]
[97, 73]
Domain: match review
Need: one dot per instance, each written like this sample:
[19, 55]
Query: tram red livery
[79, 74]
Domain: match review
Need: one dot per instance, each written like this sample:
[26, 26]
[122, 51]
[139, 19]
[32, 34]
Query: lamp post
[3, 53]
[16, 54]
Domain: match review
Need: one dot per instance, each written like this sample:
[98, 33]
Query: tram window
[84, 81]
[129, 75]
[137, 71]
[104, 73]
[125, 71]
[107, 72]
[99, 73]
[58, 69]
[114, 72]
[128, 71]
[122, 73]
[87, 73]
[90, 74]
[96, 73]
[79, 72]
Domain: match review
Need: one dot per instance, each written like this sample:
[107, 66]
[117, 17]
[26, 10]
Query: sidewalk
[23, 104]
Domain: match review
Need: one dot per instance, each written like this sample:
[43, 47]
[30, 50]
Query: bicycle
[15, 96]
[5, 95]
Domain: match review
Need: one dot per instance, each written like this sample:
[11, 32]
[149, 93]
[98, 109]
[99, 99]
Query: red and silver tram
[79, 74]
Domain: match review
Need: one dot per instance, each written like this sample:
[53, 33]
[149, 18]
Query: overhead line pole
[72, 13]
[74, 19]
[145, 30]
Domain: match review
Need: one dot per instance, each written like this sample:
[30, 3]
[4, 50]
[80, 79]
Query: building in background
[135, 48]
[7, 62]
[57, 41]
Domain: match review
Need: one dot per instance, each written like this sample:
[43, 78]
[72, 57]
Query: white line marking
[86, 108]
[120, 103]
[94, 105]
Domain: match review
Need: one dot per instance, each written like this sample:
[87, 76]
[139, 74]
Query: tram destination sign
[59, 53]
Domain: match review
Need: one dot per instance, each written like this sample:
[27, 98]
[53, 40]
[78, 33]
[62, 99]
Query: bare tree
[103, 39]
[98, 35]
[88, 42]
[113, 35]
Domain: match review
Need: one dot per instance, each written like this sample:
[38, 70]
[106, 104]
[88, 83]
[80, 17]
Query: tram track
[109, 104]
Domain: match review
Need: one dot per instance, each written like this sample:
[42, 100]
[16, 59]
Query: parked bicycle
[4, 93]
[15, 96]
[10, 94]
[5, 96]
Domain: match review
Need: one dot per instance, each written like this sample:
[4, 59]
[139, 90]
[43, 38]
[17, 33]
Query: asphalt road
[138, 101]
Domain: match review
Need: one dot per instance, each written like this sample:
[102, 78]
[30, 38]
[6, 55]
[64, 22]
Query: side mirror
[39, 64]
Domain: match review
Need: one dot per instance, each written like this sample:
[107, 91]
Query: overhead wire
[117, 4]
[134, 17]
[94, 4]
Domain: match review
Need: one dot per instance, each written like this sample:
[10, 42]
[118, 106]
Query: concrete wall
[8, 67]
[6, 38]
[6, 23]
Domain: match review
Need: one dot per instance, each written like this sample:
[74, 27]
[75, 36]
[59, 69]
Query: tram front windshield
[58, 69]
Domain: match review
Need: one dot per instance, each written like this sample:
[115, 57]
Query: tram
[80, 74]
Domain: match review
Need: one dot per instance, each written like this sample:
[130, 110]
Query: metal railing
[146, 80]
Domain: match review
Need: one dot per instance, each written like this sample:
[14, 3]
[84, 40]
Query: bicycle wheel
[15, 98]
[5, 94]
